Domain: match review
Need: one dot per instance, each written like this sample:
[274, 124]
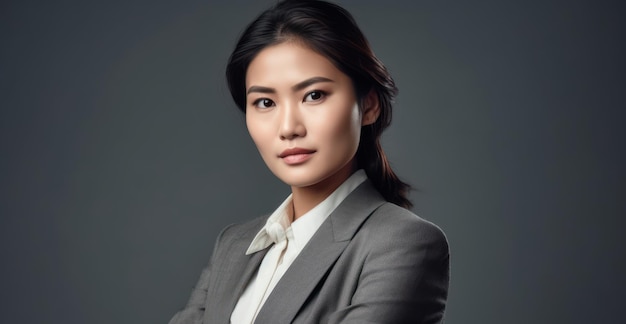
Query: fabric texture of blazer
[369, 262]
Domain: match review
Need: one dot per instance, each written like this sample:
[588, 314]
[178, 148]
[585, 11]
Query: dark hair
[332, 32]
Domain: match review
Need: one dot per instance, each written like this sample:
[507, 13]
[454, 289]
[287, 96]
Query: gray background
[122, 155]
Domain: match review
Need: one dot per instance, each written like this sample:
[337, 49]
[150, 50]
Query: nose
[291, 123]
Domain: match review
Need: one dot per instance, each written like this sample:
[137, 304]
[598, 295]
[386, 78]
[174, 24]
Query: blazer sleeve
[405, 274]
[194, 309]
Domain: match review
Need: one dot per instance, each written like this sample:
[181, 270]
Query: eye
[314, 96]
[263, 103]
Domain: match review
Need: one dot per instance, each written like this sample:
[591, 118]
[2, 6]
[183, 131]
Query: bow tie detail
[276, 232]
[272, 233]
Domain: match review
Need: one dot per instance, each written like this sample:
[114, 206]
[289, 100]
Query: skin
[296, 98]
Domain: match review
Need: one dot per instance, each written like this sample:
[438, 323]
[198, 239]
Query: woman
[342, 248]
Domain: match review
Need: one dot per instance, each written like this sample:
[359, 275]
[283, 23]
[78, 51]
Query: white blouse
[288, 240]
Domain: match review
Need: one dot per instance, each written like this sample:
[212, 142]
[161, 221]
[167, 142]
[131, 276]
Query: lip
[296, 155]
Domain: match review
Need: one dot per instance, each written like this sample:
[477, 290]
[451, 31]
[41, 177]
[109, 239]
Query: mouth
[296, 155]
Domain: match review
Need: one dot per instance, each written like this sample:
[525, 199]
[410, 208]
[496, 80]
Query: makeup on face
[302, 114]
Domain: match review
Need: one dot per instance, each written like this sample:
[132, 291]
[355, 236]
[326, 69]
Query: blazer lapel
[319, 255]
[235, 271]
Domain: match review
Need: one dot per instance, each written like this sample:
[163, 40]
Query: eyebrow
[297, 87]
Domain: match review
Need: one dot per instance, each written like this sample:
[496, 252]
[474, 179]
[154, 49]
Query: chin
[300, 178]
[299, 182]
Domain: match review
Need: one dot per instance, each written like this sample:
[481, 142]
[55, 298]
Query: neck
[306, 198]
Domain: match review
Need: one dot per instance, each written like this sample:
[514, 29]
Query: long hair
[332, 32]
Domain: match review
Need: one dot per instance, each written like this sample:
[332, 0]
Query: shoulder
[236, 234]
[238, 229]
[391, 226]
[403, 268]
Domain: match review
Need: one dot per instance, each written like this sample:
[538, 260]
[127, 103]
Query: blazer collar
[319, 255]
[232, 275]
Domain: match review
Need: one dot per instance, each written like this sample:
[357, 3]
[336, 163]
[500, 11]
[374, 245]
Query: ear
[371, 109]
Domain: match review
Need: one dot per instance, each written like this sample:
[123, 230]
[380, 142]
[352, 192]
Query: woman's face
[302, 114]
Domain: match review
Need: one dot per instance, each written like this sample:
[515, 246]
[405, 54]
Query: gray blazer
[369, 262]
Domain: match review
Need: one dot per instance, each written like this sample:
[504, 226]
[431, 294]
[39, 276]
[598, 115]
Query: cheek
[346, 129]
[352, 122]
[355, 122]
[256, 132]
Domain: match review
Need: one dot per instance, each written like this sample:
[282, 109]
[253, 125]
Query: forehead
[289, 63]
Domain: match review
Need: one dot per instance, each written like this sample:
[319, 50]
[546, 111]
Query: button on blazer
[369, 262]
